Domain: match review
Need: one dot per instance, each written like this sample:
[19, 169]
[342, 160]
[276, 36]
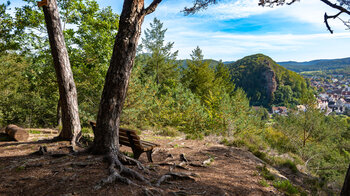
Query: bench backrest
[127, 137]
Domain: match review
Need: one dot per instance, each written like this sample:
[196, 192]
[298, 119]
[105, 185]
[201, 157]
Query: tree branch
[198, 5]
[151, 8]
[335, 6]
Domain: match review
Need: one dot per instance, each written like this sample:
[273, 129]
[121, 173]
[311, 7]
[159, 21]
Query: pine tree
[199, 77]
[161, 63]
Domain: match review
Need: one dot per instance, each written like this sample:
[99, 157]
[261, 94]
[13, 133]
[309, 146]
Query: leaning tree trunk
[117, 79]
[346, 187]
[68, 93]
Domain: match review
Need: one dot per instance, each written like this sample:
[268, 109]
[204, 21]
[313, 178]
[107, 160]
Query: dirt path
[229, 171]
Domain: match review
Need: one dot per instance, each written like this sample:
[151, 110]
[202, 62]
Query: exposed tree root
[175, 176]
[173, 165]
[117, 169]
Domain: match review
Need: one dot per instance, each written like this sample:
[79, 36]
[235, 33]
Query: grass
[282, 185]
[34, 132]
[291, 165]
[286, 187]
[265, 173]
[264, 183]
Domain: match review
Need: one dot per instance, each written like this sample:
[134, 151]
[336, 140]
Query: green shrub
[168, 131]
[86, 130]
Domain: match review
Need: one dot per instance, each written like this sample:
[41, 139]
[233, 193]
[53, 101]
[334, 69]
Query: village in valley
[334, 93]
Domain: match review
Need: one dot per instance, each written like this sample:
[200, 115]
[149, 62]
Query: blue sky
[233, 29]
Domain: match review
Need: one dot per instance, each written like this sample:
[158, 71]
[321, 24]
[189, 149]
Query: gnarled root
[117, 169]
[175, 176]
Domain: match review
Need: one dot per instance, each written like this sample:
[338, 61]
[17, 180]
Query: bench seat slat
[148, 143]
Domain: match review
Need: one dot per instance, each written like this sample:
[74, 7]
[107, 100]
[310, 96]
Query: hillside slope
[316, 65]
[266, 82]
[228, 171]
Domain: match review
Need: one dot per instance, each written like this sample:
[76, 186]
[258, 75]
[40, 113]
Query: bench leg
[149, 155]
[137, 154]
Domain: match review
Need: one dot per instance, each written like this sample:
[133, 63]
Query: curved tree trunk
[117, 79]
[346, 187]
[68, 93]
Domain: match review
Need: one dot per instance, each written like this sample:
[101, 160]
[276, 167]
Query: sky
[233, 29]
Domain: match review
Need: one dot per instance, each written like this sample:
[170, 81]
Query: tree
[199, 77]
[106, 140]
[71, 129]
[117, 79]
[162, 62]
[6, 27]
[343, 6]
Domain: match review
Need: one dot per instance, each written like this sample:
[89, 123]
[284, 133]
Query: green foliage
[255, 73]
[25, 98]
[264, 183]
[265, 173]
[7, 26]
[89, 38]
[168, 131]
[161, 62]
[320, 140]
[199, 77]
[285, 186]
[86, 130]
[291, 165]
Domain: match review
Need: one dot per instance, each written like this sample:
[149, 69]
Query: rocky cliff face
[271, 84]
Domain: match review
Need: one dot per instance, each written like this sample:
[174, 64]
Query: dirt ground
[227, 171]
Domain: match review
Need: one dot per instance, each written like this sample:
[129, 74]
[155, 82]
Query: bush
[168, 131]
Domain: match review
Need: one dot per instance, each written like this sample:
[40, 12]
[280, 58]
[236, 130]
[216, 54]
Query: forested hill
[316, 65]
[267, 83]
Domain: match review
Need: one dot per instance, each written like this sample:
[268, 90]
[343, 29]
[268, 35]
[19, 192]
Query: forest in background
[198, 99]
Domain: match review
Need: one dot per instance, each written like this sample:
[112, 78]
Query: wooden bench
[130, 138]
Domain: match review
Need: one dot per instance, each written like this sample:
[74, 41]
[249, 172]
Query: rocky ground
[213, 169]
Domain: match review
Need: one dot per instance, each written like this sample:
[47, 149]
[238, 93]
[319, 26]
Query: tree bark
[117, 79]
[59, 114]
[71, 129]
[346, 187]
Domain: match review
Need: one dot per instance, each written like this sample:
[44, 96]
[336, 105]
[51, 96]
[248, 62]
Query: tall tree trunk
[117, 79]
[346, 187]
[71, 129]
